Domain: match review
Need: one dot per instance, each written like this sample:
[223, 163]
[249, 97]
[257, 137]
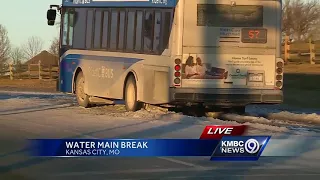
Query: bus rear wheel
[130, 95]
[82, 98]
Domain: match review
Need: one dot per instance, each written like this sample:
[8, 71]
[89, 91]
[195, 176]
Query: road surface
[25, 115]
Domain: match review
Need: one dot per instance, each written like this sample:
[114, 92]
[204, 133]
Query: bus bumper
[226, 97]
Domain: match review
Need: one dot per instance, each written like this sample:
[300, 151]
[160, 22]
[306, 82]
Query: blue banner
[123, 147]
[119, 3]
[228, 148]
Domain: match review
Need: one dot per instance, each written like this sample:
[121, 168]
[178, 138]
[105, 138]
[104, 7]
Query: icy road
[26, 115]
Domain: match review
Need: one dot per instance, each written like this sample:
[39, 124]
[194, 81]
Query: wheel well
[74, 79]
[125, 82]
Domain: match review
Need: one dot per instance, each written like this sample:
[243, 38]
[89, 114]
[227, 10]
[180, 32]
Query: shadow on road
[222, 167]
[55, 101]
[245, 167]
[25, 95]
[155, 131]
[35, 109]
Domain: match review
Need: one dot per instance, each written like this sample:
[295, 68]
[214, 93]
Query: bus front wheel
[82, 98]
[130, 95]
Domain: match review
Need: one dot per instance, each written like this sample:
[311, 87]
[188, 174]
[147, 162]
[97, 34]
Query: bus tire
[130, 95]
[82, 98]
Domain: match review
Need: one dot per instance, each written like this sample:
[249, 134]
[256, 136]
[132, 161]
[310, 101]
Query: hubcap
[130, 96]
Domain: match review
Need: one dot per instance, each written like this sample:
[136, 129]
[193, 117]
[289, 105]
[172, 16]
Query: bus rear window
[219, 15]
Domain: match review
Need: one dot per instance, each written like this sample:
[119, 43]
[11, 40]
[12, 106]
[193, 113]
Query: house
[46, 58]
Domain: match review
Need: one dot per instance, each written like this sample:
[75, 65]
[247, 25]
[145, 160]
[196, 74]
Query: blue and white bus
[214, 53]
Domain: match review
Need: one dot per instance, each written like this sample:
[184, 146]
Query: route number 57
[254, 34]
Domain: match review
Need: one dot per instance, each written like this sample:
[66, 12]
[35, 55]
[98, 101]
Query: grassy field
[301, 85]
[28, 85]
[302, 69]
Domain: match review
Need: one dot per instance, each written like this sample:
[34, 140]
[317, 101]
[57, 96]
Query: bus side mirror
[51, 16]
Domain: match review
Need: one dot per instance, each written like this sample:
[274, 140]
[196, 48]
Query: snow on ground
[27, 101]
[281, 112]
[304, 117]
[268, 118]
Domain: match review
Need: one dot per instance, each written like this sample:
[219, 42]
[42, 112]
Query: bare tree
[32, 47]
[4, 46]
[287, 22]
[300, 18]
[54, 47]
[17, 55]
[315, 31]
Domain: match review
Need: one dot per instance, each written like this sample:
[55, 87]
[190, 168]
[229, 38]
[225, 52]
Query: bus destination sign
[249, 35]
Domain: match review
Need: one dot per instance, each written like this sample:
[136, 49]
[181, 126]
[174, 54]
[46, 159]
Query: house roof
[46, 59]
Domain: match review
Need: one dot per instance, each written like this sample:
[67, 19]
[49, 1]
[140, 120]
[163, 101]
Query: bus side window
[148, 34]
[97, 30]
[166, 30]
[105, 30]
[114, 28]
[71, 26]
[79, 29]
[122, 21]
[89, 29]
[65, 28]
[130, 30]
[157, 31]
[138, 31]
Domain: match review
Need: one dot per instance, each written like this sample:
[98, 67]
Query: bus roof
[119, 3]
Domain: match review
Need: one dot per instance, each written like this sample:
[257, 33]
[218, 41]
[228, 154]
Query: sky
[26, 18]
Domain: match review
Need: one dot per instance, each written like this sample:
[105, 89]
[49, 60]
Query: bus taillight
[279, 84]
[177, 80]
[177, 73]
[177, 67]
[177, 61]
[279, 70]
[279, 64]
[279, 73]
[279, 77]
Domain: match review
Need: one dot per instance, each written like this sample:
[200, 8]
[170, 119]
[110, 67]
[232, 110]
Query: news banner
[219, 143]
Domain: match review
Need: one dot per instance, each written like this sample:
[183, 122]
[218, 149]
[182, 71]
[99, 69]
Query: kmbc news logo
[233, 145]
